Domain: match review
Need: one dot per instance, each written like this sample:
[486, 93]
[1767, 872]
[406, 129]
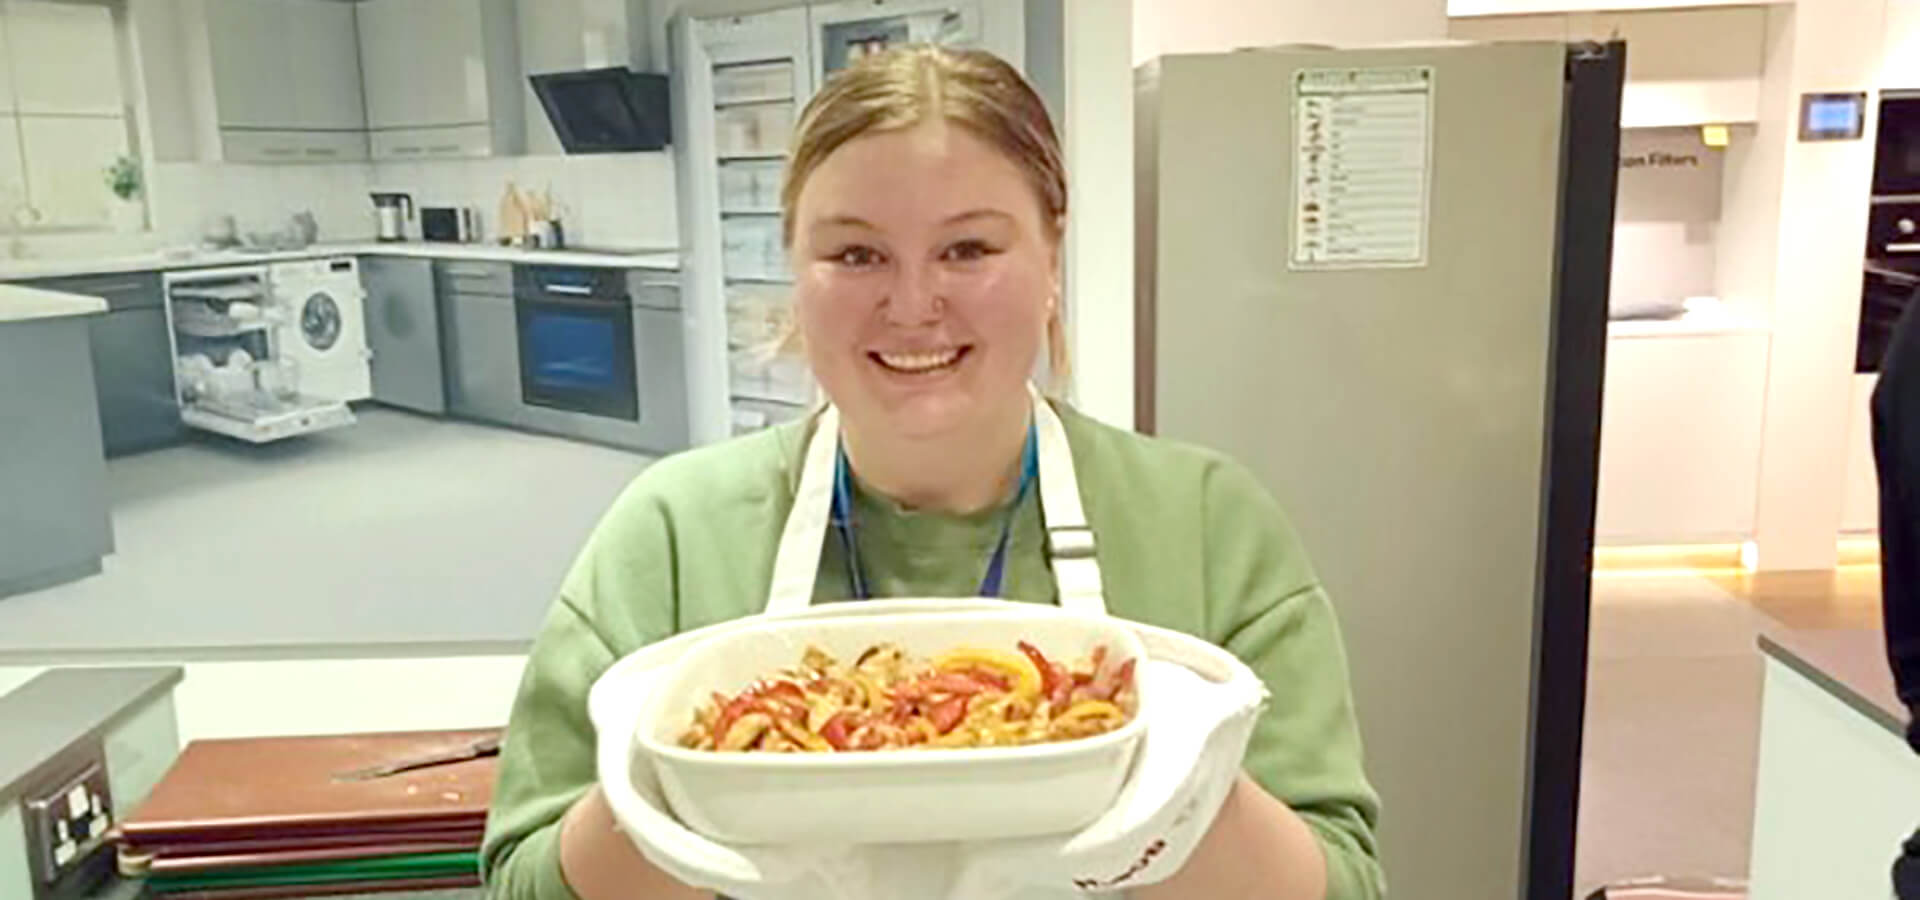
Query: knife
[489, 746]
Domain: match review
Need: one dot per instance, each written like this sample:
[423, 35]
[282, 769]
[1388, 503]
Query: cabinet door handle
[447, 148]
[322, 151]
[402, 151]
[278, 151]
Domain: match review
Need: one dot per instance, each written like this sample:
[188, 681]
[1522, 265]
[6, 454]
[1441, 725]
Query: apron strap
[797, 563]
[1070, 544]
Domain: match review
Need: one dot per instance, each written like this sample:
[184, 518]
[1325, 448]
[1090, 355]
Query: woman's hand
[1257, 849]
[600, 863]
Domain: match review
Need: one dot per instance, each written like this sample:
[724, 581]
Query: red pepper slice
[952, 683]
[837, 729]
[783, 689]
[1049, 676]
[990, 679]
[735, 708]
[946, 714]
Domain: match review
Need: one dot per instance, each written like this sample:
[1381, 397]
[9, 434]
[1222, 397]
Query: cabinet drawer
[452, 142]
[464, 277]
[293, 146]
[130, 290]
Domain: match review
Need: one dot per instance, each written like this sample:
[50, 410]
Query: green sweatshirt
[1187, 540]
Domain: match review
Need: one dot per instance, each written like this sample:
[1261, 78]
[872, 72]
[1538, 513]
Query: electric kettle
[391, 212]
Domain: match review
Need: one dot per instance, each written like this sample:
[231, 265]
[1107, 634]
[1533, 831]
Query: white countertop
[20, 304]
[18, 269]
[1704, 316]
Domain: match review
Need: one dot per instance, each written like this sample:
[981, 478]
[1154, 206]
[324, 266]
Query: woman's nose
[915, 296]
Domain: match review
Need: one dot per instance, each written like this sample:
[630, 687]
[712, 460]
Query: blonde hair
[972, 89]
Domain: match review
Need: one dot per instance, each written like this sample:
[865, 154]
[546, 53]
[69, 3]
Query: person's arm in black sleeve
[1896, 455]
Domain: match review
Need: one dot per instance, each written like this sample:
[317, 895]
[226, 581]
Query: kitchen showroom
[365, 365]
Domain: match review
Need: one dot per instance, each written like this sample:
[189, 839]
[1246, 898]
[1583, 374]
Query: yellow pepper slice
[1026, 677]
[1089, 709]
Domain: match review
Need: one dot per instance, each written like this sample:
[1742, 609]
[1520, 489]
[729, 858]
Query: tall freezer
[1378, 277]
[744, 70]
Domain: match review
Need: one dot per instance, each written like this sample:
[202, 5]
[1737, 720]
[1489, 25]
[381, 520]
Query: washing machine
[324, 327]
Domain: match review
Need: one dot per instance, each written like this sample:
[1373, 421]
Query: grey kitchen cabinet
[480, 340]
[441, 79]
[132, 359]
[285, 80]
[403, 331]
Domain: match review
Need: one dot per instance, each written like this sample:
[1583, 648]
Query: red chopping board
[280, 793]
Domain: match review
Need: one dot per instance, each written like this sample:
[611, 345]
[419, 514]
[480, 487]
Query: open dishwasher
[233, 371]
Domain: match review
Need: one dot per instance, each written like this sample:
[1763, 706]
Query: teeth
[919, 362]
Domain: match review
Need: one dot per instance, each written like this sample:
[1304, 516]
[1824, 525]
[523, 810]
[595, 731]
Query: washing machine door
[331, 345]
[320, 322]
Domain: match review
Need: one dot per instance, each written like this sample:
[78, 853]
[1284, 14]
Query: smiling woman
[923, 212]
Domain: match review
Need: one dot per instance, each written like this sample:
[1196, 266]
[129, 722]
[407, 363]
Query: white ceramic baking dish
[902, 796]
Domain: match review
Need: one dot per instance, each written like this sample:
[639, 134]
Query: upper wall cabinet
[285, 64]
[1684, 67]
[251, 80]
[442, 77]
[1537, 7]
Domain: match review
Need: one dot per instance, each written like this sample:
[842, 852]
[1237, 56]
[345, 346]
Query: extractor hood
[610, 110]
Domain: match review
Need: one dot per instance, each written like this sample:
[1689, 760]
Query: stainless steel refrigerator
[1379, 278]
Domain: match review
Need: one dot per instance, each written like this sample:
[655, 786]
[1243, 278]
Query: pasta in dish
[886, 700]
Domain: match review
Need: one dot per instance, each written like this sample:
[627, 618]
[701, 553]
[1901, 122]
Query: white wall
[1207, 26]
[1098, 131]
[1814, 308]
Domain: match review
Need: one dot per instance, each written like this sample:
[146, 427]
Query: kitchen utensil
[391, 212]
[306, 228]
[220, 231]
[487, 746]
[513, 216]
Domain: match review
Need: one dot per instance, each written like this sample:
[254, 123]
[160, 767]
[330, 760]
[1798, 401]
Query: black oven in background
[1892, 255]
[1896, 157]
[576, 340]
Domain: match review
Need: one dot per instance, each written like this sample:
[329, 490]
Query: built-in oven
[576, 340]
[1890, 276]
[1896, 158]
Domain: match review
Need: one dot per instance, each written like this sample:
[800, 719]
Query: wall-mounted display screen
[1832, 117]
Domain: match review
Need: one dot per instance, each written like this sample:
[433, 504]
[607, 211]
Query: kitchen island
[54, 524]
[1838, 789]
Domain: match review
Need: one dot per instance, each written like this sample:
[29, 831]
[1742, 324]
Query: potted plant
[123, 179]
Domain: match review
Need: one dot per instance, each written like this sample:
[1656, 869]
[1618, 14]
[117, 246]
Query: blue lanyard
[843, 524]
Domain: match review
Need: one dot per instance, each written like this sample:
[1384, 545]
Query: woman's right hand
[600, 863]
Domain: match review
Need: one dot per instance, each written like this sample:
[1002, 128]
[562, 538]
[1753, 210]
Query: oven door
[576, 355]
[1896, 158]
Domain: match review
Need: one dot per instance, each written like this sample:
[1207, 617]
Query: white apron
[1209, 701]
[1070, 545]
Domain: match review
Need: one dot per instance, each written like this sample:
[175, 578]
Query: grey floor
[400, 529]
[1672, 733]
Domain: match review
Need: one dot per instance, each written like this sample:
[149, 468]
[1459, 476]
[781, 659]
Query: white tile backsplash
[621, 200]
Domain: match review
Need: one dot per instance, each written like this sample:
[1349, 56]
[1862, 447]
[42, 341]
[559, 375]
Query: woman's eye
[857, 257]
[967, 251]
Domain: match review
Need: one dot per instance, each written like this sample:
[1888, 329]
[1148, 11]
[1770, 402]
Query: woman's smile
[921, 365]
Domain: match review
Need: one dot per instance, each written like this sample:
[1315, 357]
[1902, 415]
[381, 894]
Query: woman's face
[924, 275]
